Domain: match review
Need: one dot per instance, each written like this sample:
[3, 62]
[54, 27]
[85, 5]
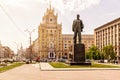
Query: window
[65, 54]
[69, 41]
[65, 45]
[51, 54]
[50, 19]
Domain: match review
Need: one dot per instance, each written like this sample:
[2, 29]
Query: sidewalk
[110, 64]
[44, 66]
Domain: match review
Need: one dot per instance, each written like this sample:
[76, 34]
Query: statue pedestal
[79, 55]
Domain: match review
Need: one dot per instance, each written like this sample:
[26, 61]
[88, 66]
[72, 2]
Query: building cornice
[107, 24]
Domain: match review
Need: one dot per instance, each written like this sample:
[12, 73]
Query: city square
[59, 40]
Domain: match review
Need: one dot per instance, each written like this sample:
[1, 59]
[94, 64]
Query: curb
[84, 69]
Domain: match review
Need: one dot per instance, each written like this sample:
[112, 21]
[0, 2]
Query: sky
[17, 17]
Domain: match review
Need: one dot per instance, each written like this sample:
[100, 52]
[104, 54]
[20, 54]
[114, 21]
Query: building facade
[35, 48]
[108, 34]
[6, 52]
[88, 41]
[50, 36]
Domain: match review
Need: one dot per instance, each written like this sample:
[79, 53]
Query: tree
[93, 53]
[109, 53]
[105, 52]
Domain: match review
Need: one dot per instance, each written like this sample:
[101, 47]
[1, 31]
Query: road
[33, 72]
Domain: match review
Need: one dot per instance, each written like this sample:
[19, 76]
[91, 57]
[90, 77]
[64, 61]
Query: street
[33, 72]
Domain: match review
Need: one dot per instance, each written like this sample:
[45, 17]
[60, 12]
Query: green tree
[105, 52]
[93, 53]
[109, 53]
[112, 52]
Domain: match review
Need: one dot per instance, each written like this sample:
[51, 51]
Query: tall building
[20, 53]
[108, 34]
[50, 36]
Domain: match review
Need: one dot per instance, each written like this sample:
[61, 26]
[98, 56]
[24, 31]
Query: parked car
[27, 61]
[62, 60]
[88, 60]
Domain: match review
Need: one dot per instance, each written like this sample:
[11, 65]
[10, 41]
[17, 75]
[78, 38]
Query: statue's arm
[82, 25]
[73, 25]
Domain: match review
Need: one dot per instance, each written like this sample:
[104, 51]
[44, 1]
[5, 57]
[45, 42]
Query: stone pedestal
[79, 53]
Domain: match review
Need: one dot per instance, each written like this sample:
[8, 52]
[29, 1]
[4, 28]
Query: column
[113, 35]
[107, 36]
[110, 35]
[117, 27]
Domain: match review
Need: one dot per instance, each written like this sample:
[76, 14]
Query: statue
[77, 28]
[78, 50]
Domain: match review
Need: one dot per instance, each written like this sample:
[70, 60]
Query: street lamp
[30, 33]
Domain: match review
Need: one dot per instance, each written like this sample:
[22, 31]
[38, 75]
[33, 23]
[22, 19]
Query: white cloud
[71, 5]
[78, 5]
[12, 2]
[61, 5]
[110, 14]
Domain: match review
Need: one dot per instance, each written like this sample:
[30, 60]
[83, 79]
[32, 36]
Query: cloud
[61, 5]
[78, 5]
[71, 5]
[110, 14]
[12, 2]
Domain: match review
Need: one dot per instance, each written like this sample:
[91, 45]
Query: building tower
[50, 36]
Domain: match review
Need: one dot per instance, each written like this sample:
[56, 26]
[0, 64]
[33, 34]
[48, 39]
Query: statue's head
[78, 16]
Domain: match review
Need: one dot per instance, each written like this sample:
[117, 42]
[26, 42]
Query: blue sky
[18, 15]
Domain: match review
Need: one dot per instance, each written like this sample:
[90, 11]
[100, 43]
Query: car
[27, 61]
[101, 61]
[88, 60]
[62, 60]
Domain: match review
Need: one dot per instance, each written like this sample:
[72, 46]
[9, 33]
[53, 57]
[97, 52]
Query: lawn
[94, 65]
[5, 68]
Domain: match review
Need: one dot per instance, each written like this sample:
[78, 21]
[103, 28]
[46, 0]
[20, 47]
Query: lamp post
[30, 33]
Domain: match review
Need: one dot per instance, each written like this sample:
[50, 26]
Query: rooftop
[109, 23]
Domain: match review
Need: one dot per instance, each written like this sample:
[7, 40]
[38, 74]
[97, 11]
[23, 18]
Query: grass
[5, 68]
[94, 65]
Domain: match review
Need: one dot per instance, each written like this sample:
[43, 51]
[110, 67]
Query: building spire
[50, 4]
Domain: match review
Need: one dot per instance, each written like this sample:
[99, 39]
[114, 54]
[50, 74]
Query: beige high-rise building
[50, 36]
[108, 33]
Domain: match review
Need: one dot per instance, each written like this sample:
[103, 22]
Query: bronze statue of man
[77, 28]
